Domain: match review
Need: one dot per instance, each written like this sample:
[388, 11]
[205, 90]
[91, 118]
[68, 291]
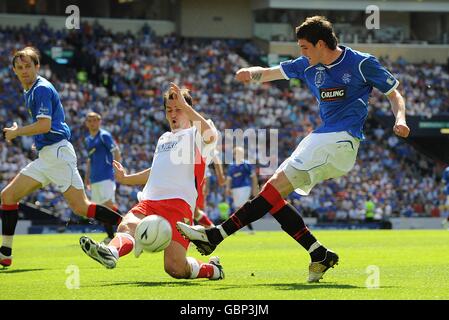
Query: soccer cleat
[317, 269]
[196, 234]
[5, 261]
[216, 262]
[98, 251]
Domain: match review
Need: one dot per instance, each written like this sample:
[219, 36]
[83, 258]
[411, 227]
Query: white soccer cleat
[198, 236]
[99, 252]
[318, 268]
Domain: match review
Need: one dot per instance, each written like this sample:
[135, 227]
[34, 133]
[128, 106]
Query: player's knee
[78, 207]
[7, 196]
[127, 227]
[176, 269]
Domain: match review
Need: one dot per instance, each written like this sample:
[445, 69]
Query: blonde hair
[93, 115]
[31, 52]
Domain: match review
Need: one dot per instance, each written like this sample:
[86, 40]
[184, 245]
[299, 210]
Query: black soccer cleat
[198, 236]
[318, 268]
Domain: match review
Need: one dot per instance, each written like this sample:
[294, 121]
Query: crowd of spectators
[122, 77]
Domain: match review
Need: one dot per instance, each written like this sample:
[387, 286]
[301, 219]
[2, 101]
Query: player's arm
[228, 186]
[206, 129]
[259, 74]
[379, 77]
[41, 126]
[219, 171]
[116, 154]
[398, 107]
[255, 184]
[206, 186]
[139, 178]
[86, 177]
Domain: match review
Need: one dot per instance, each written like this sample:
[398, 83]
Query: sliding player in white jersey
[170, 190]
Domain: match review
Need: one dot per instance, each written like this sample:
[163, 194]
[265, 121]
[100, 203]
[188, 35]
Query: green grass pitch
[412, 264]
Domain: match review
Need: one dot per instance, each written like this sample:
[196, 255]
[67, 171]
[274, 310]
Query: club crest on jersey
[391, 81]
[346, 78]
[333, 94]
[320, 76]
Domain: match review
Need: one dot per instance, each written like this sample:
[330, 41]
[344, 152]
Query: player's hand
[243, 75]
[119, 171]
[11, 132]
[401, 129]
[177, 95]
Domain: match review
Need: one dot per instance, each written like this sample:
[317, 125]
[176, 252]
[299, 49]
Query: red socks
[123, 242]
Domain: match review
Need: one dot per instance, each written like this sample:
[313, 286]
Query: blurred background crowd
[123, 76]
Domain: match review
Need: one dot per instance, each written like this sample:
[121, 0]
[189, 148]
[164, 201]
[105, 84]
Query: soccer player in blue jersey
[102, 150]
[445, 180]
[341, 79]
[242, 182]
[57, 161]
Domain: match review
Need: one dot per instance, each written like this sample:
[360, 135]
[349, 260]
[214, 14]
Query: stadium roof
[396, 5]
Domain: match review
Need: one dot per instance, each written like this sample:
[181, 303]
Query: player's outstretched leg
[269, 200]
[206, 240]
[78, 202]
[108, 255]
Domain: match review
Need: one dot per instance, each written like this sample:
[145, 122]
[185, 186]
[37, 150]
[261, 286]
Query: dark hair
[317, 28]
[31, 52]
[185, 93]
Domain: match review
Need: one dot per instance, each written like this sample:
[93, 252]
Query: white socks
[314, 246]
[222, 232]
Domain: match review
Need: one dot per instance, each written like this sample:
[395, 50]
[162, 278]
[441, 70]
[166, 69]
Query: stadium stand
[122, 76]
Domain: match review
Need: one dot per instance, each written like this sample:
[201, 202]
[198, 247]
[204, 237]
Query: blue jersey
[100, 148]
[240, 174]
[446, 180]
[42, 101]
[342, 88]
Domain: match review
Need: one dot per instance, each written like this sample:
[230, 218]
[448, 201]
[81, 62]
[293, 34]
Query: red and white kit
[179, 161]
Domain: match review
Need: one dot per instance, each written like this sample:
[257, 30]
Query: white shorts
[103, 191]
[240, 196]
[320, 156]
[56, 164]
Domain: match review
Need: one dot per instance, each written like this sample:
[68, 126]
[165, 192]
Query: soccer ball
[153, 233]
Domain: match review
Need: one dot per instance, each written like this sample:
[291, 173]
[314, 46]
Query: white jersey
[179, 160]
